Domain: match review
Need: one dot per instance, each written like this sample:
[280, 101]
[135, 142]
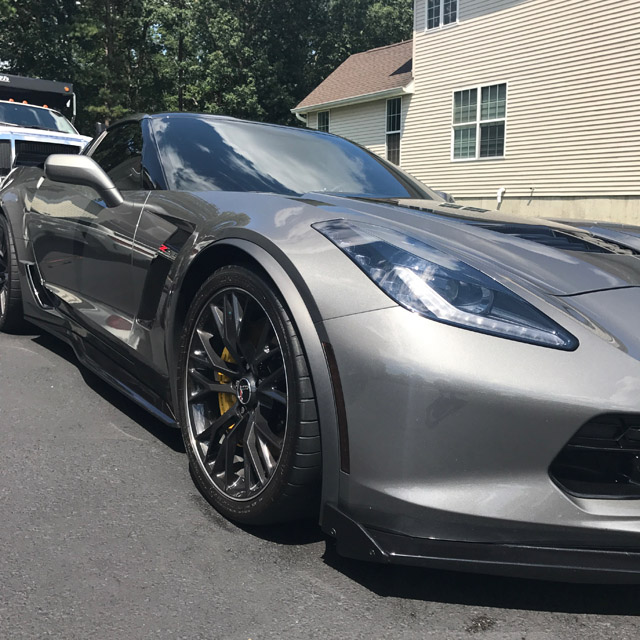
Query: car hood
[556, 258]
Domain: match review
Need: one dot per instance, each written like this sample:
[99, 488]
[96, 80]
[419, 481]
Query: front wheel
[248, 411]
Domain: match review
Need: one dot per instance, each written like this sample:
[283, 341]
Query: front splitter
[585, 565]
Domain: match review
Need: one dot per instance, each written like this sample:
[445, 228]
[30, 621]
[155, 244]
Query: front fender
[312, 335]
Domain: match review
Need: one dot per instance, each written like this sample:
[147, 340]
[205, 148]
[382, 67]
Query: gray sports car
[444, 385]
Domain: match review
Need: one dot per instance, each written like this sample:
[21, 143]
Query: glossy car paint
[451, 432]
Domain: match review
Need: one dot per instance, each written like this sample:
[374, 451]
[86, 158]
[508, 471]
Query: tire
[11, 315]
[247, 406]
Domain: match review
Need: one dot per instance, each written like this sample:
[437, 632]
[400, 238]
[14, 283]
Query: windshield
[24, 115]
[207, 154]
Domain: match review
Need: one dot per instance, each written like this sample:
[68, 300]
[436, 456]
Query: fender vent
[602, 460]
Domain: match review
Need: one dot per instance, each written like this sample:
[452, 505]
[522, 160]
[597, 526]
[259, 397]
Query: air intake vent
[602, 460]
[560, 239]
[5, 157]
[33, 154]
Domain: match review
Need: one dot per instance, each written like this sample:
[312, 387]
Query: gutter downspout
[301, 117]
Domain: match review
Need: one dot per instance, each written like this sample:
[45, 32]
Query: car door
[106, 238]
[53, 223]
[82, 247]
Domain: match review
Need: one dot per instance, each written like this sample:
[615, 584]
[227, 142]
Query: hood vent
[560, 239]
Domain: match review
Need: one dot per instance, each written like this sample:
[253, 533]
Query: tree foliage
[247, 58]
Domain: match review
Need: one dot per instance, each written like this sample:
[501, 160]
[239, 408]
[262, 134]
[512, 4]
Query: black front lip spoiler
[602, 566]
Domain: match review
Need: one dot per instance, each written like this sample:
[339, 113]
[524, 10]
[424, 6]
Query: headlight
[441, 287]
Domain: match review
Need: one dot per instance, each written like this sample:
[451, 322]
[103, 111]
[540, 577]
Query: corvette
[441, 385]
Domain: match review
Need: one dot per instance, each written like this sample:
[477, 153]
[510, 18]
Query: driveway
[103, 535]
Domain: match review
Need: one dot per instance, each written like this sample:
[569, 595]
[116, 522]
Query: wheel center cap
[244, 391]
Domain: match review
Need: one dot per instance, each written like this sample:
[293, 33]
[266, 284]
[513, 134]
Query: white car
[29, 134]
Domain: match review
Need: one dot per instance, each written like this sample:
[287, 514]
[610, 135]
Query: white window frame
[388, 132]
[328, 112]
[441, 24]
[478, 122]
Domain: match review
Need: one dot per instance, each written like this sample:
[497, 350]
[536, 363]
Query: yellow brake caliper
[226, 400]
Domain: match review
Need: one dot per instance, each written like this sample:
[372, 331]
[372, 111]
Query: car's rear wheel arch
[240, 252]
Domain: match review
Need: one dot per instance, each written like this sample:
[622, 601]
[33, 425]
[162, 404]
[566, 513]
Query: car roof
[137, 117]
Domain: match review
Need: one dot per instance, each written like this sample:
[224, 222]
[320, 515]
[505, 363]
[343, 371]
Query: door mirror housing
[82, 170]
[447, 197]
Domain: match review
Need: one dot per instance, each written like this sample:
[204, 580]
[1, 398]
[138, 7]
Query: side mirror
[81, 170]
[447, 197]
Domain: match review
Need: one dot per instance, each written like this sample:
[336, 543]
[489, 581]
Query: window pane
[394, 109]
[450, 12]
[393, 148]
[464, 142]
[23, 115]
[201, 153]
[120, 156]
[492, 140]
[465, 106]
[494, 102]
[433, 14]
[323, 121]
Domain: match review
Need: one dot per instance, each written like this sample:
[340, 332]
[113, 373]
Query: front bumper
[451, 435]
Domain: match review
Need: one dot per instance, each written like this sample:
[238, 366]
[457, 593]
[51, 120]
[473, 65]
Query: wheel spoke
[272, 378]
[215, 361]
[264, 336]
[267, 388]
[264, 356]
[207, 386]
[246, 464]
[223, 422]
[251, 451]
[264, 431]
[274, 395]
[223, 462]
[226, 327]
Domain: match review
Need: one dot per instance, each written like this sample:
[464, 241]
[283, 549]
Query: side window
[120, 155]
[323, 121]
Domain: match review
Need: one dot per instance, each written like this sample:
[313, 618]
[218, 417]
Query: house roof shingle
[363, 73]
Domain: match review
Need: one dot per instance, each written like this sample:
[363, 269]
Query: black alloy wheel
[248, 417]
[11, 316]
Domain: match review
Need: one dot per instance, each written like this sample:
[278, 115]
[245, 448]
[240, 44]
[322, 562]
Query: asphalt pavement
[103, 535]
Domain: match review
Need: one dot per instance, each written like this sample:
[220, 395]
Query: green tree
[345, 27]
[247, 58]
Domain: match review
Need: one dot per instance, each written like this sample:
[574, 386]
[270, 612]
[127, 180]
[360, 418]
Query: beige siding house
[536, 99]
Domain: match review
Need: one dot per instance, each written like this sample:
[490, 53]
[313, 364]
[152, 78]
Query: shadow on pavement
[169, 436]
[297, 533]
[452, 587]
[392, 581]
